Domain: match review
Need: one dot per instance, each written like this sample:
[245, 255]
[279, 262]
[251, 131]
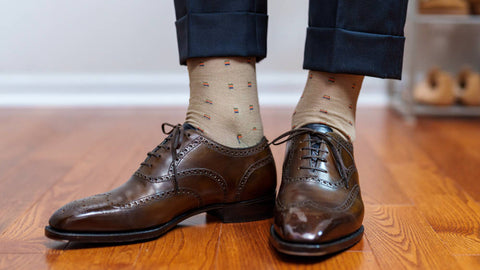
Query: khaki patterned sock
[224, 100]
[331, 99]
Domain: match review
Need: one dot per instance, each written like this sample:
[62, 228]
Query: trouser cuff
[222, 34]
[338, 50]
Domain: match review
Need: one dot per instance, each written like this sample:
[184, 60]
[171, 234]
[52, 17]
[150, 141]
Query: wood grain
[450, 141]
[422, 174]
[375, 178]
[402, 239]
[95, 173]
[468, 262]
[193, 245]
[22, 261]
[452, 213]
[422, 207]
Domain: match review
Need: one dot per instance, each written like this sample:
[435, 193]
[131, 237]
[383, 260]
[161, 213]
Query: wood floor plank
[389, 136]
[421, 178]
[377, 183]
[97, 172]
[346, 260]
[251, 240]
[420, 213]
[469, 262]
[245, 240]
[23, 135]
[450, 139]
[22, 261]
[14, 126]
[452, 213]
[458, 227]
[43, 167]
[81, 256]
[192, 245]
[401, 238]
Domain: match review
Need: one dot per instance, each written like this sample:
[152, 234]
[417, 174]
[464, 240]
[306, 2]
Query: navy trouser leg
[207, 28]
[356, 36]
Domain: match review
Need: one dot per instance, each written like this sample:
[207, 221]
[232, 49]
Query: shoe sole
[307, 249]
[245, 211]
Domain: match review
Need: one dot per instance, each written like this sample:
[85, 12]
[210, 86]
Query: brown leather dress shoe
[185, 175]
[319, 209]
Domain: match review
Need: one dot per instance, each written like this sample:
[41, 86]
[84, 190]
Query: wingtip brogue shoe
[185, 175]
[319, 209]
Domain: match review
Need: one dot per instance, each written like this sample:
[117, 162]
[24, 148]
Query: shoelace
[318, 139]
[175, 136]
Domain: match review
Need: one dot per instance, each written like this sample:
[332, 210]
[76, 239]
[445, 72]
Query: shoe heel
[246, 211]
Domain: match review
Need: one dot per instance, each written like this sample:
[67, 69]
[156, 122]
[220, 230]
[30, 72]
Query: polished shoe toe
[83, 213]
[312, 226]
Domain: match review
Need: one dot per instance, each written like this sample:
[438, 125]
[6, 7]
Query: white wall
[59, 46]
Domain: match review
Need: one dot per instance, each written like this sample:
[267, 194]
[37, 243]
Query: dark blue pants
[343, 36]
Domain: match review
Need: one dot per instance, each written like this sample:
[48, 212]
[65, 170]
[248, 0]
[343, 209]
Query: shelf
[455, 110]
[429, 110]
[447, 19]
[401, 93]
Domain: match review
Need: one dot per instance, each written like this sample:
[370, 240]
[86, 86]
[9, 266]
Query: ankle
[329, 99]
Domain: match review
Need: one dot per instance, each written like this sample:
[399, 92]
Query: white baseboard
[109, 90]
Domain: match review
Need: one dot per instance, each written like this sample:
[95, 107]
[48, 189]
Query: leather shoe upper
[319, 198]
[186, 171]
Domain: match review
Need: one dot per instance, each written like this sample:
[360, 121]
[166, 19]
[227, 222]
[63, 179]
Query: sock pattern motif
[224, 101]
[330, 99]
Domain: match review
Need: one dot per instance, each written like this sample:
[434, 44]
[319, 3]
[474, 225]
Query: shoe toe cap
[82, 215]
[309, 226]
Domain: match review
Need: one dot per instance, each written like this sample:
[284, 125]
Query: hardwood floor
[420, 185]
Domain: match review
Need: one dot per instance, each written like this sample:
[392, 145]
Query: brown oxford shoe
[185, 175]
[319, 209]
